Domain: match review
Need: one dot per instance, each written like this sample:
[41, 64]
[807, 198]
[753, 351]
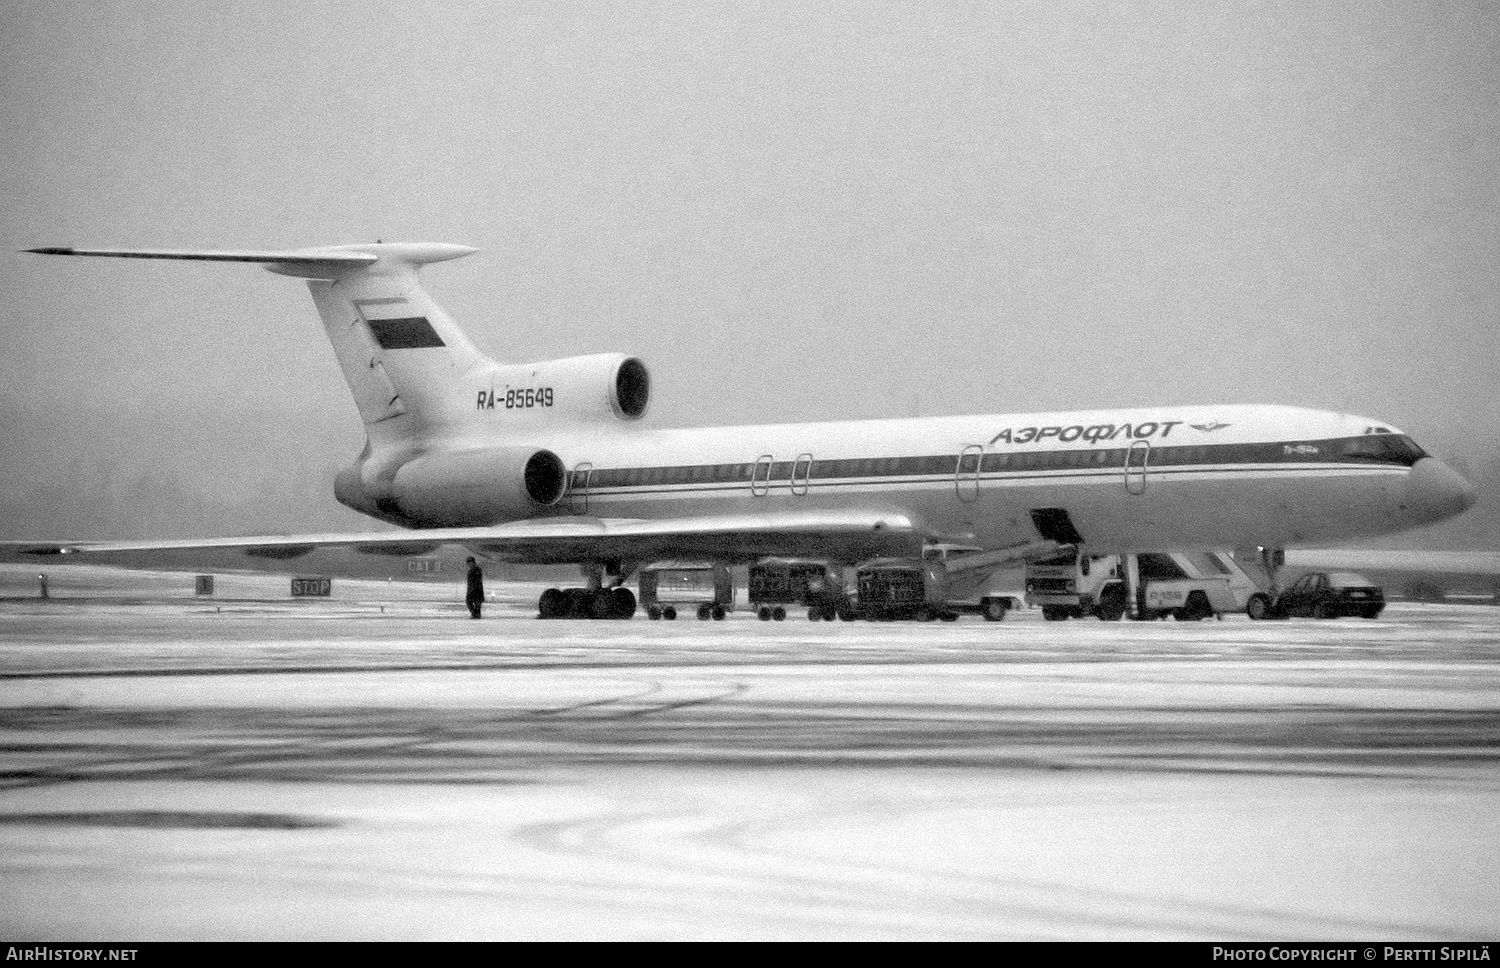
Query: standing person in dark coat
[475, 596]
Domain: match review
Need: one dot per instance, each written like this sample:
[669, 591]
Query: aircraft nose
[1436, 491]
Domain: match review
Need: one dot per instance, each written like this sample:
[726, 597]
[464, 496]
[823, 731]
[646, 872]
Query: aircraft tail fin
[399, 351]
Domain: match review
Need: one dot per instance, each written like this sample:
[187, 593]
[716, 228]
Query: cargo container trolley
[701, 587]
[779, 584]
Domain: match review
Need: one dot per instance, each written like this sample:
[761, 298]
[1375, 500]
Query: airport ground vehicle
[776, 583]
[705, 588]
[939, 585]
[997, 598]
[991, 593]
[1330, 594]
[1191, 586]
[1188, 586]
[900, 588]
[1070, 585]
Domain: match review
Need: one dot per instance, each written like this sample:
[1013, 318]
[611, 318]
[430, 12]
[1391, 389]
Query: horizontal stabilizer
[294, 256]
[322, 262]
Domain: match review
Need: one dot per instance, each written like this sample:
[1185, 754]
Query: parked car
[1331, 594]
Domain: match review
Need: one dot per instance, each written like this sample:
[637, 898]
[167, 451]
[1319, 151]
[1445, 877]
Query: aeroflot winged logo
[1209, 427]
[1093, 433]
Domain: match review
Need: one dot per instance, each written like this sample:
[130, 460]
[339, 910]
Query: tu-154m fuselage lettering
[1093, 433]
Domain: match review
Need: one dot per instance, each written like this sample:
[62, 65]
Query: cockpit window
[1404, 448]
[1379, 449]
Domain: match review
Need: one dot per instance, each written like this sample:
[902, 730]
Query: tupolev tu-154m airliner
[551, 462]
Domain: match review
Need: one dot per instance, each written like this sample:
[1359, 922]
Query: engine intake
[632, 389]
[546, 478]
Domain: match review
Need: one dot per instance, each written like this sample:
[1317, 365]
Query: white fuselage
[1121, 480]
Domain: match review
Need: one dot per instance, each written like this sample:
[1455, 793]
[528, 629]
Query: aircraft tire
[575, 603]
[669, 613]
[550, 604]
[1258, 608]
[622, 603]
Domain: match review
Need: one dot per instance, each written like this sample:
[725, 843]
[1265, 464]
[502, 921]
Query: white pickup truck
[1185, 585]
[1190, 586]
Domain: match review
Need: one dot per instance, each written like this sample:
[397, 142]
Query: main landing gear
[595, 601]
[616, 603]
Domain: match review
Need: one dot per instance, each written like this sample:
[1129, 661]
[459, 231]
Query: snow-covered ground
[379, 766]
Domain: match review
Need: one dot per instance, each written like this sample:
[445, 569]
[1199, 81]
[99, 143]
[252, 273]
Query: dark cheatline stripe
[407, 333]
[1384, 450]
[169, 820]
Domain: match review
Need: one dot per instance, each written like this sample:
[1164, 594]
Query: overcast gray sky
[794, 210]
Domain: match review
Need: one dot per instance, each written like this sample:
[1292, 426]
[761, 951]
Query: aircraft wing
[738, 538]
[1385, 561]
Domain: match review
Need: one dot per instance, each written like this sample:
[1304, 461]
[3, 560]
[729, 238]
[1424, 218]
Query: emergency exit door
[1136, 460]
[760, 476]
[802, 473]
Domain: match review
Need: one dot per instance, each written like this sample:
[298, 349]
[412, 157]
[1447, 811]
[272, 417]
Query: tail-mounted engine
[467, 488]
[479, 487]
[607, 386]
